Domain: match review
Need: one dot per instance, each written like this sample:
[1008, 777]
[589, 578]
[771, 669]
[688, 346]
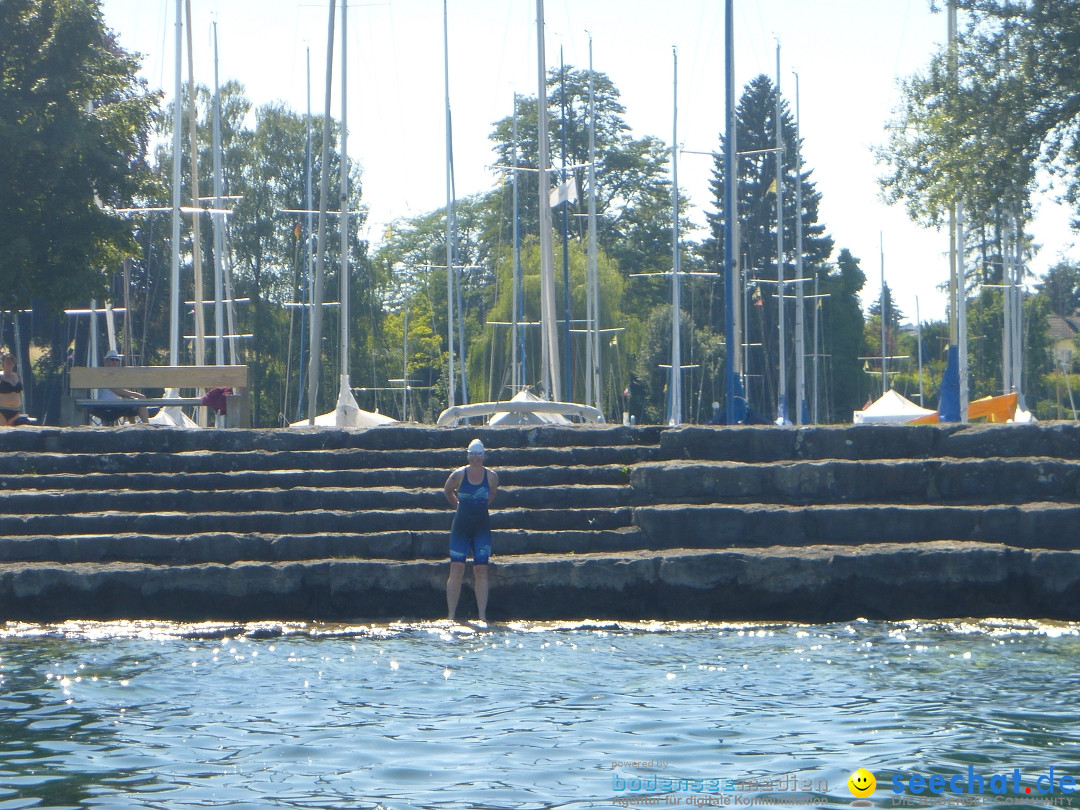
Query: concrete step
[228, 548]
[928, 481]
[817, 584]
[302, 522]
[1030, 525]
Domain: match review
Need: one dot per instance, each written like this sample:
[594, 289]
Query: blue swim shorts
[479, 546]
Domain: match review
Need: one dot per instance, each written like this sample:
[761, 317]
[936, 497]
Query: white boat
[523, 409]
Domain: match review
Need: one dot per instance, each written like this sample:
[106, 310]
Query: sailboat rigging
[524, 405]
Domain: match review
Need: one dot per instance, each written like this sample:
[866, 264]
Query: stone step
[380, 477]
[390, 437]
[760, 443]
[1030, 525]
[74, 503]
[303, 522]
[232, 548]
[818, 584]
[440, 460]
[933, 481]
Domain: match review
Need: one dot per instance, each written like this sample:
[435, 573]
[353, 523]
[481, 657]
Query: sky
[849, 56]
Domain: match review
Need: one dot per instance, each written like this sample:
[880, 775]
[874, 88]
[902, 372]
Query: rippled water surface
[526, 715]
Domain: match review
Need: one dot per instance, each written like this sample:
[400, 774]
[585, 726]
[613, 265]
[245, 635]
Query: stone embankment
[810, 524]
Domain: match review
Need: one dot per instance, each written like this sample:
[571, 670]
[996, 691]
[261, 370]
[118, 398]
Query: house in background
[1063, 331]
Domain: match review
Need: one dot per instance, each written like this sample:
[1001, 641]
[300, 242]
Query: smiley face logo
[862, 783]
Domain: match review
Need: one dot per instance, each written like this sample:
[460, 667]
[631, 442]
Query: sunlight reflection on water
[518, 715]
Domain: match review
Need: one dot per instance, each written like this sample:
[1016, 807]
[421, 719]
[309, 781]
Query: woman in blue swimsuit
[470, 490]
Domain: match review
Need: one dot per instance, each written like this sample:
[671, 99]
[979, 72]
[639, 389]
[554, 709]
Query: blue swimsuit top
[473, 497]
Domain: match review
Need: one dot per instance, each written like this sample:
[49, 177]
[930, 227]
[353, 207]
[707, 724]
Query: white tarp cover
[890, 409]
[172, 415]
[347, 413]
[519, 418]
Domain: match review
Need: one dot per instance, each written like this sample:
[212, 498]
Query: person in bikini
[470, 490]
[11, 388]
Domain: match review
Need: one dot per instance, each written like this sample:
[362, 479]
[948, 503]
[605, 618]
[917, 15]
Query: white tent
[890, 409]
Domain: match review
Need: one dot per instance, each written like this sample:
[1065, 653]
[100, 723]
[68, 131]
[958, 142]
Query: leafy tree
[264, 167]
[633, 187]
[1061, 286]
[978, 123]
[651, 379]
[960, 135]
[74, 122]
[986, 319]
[756, 127]
[493, 351]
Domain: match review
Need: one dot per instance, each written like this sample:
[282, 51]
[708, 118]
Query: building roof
[1063, 327]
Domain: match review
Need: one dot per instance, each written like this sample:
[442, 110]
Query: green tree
[650, 390]
[844, 384]
[756, 127]
[264, 167]
[633, 187]
[978, 123]
[1061, 286]
[74, 122]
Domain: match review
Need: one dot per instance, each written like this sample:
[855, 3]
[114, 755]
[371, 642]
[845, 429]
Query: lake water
[535, 715]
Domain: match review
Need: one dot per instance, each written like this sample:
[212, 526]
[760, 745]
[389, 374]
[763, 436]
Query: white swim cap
[476, 448]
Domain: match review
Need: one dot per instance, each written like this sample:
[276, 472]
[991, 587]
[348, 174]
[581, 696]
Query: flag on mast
[565, 192]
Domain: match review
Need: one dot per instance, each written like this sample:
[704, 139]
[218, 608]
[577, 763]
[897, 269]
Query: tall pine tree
[756, 126]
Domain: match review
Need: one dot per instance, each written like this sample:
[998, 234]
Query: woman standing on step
[470, 490]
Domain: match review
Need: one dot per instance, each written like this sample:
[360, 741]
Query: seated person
[107, 411]
[11, 394]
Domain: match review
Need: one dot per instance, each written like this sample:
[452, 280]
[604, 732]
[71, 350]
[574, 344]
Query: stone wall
[693, 523]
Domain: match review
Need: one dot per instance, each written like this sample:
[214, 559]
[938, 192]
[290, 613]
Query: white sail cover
[890, 409]
[527, 417]
[347, 414]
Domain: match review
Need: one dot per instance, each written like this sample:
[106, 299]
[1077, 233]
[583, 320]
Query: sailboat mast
[949, 399]
[218, 221]
[675, 387]
[593, 376]
[516, 376]
[781, 408]
[735, 404]
[567, 369]
[196, 217]
[918, 343]
[1015, 288]
[320, 250]
[305, 285]
[884, 321]
[449, 217]
[344, 207]
[961, 316]
[178, 117]
[800, 324]
[549, 343]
